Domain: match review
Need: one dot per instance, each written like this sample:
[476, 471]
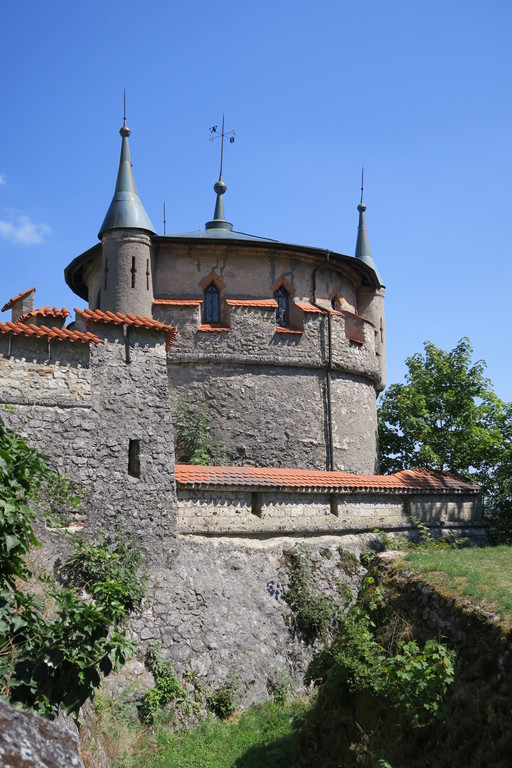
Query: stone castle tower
[285, 343]
[284, 346]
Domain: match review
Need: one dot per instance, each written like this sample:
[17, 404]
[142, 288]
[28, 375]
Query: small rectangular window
[256, 503]
[334, 504]
[134, 458]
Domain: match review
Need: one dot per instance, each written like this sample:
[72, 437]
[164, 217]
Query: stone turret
[370, 302]
[126, 266]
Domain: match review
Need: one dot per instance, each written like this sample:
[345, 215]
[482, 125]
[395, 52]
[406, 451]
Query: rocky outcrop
[29, 741]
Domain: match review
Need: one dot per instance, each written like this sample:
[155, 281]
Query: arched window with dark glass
[211, 312]
[281, 296]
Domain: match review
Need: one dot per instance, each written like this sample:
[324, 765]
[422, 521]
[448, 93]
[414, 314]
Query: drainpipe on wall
[328, 369]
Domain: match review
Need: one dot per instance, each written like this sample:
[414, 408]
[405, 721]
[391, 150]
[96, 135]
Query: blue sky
[418, 93]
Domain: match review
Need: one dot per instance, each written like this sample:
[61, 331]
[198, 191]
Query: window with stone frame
[282, 297]
[211, 304]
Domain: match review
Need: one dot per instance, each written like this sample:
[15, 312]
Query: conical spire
[218, 221]
[363, 250]
[126, 210]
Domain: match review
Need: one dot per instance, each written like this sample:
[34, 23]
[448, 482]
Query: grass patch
[484, 576]
[264, 735]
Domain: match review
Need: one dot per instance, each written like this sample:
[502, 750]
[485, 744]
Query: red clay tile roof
[14, 299]
[409, 480]
[45, 312]
[307, 307]
[139, 321]
[169, 338]
[279, 329]
[218, 328]
[178, 302]
[43, 332]
[258, 303]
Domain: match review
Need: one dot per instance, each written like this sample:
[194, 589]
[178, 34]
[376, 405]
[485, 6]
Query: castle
[284, 345]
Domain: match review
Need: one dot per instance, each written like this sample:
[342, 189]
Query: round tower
[126, 263]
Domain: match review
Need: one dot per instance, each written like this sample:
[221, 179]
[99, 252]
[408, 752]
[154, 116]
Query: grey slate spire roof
[363, 250]
[126, 210]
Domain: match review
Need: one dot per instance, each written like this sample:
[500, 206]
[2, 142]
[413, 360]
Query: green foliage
[315, 614]
[193, 438]
[413, 680]
[223, 701]
[53, 645]
[167, 689]
[348, 561]
[447, 416]
[281, 687]
[109, 568]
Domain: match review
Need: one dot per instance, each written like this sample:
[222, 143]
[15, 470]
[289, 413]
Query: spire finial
[124, 131]
[362, 207]
[363, 251]
[165, 232]
[218, 221]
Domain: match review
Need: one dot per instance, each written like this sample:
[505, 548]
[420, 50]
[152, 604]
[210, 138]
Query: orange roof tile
[14, 299]
[178, 302]
[218, 328]
[279, 329]
[169, 338]
[43, 332]
[45, 312]
[307, 307]
[412, 480]
[139, 321]
[257, 303]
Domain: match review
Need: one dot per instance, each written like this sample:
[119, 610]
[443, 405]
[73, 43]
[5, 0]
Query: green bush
[315, 614]
[413, 680]
[192, 436]
[167, 689]
[109, 568]
[223, 701]
[54, 645]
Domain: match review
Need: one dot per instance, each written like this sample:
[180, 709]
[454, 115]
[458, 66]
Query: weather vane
[214, 135]
[362, 184]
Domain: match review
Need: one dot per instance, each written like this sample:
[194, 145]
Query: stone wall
[267, 391]
[82, 406]
[221, 609]
[38, 371]
[222, 511]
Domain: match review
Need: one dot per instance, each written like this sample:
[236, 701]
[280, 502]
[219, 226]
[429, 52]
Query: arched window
[282, 296]
[211, 310]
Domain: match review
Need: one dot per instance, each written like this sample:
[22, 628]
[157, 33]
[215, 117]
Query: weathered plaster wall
[247, 272]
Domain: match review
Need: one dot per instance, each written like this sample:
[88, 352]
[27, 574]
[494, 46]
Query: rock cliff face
[30, 741]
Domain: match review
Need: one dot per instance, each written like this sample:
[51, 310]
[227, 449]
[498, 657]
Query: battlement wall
[248, 334]
[38, 371]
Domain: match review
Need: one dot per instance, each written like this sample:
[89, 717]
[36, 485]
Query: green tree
[447, 416]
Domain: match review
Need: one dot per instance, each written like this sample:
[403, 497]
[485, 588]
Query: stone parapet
[228, 512]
